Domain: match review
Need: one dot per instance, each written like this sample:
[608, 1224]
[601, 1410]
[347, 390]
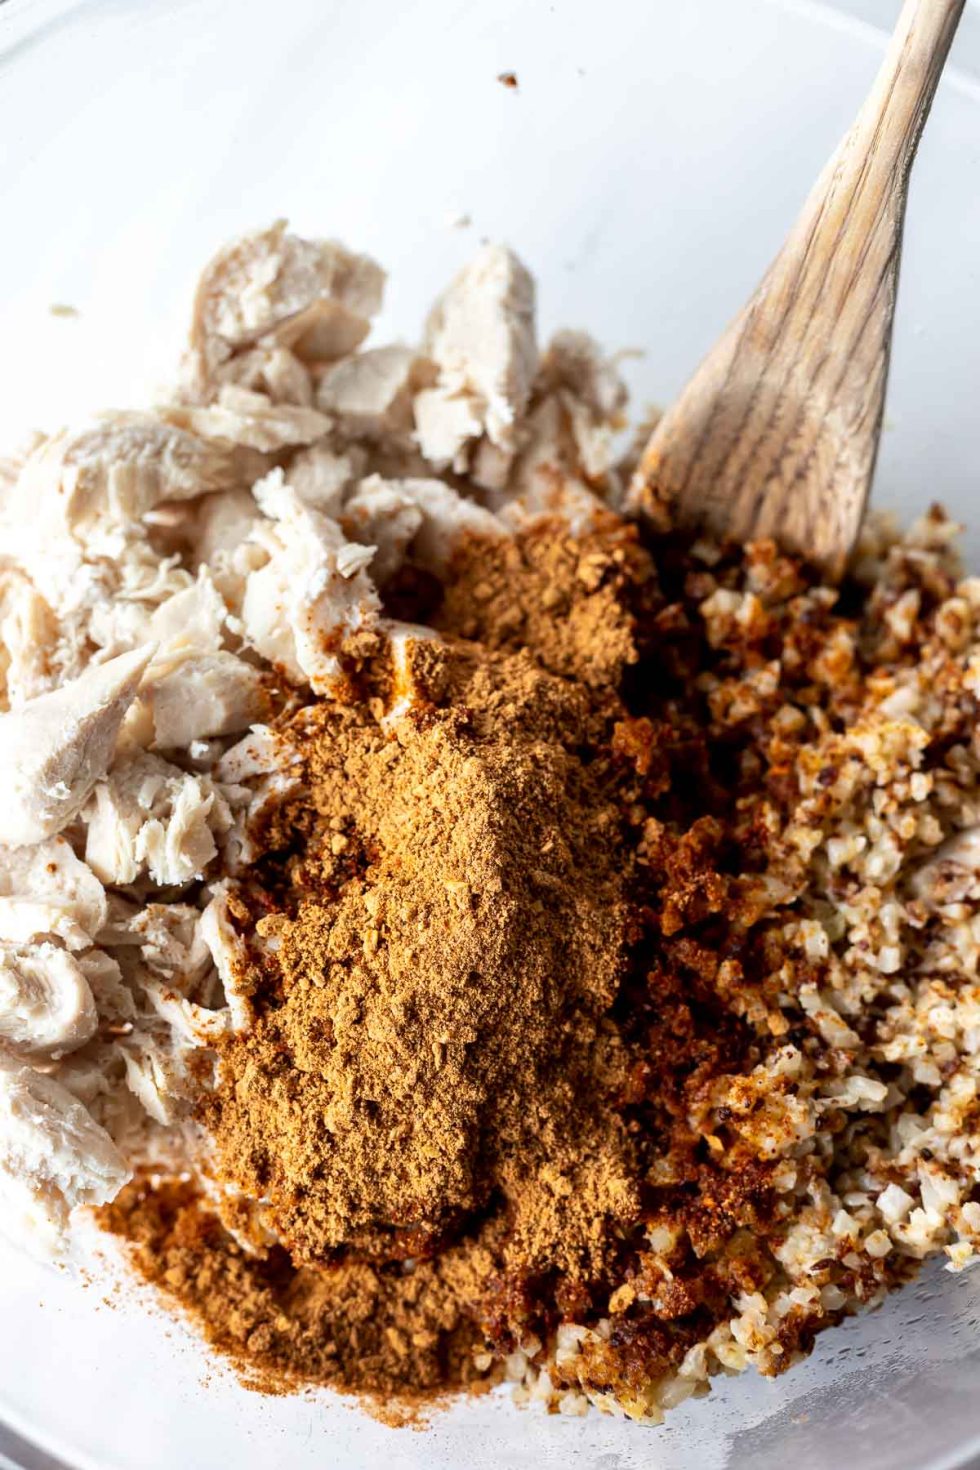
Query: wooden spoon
[777, 432]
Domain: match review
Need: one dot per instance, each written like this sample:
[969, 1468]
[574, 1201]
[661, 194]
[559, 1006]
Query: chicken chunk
[256, 774]
[170, 943]
[239, 416]
[203, 696]
[107, 600]
[547, 476]
[29, 641]
[229, 954]
[114, 1000]
[320, 476]
[261, 753]
[190, 622]
[114, 473]
[96, 1076]
[53, 1156]
[313, 594]
[382, 514]
[574, 361]
[46, 1004]
[47, 890]
[196, 1025]
[593, 396]
[150, 817]
[405, 694]
[274, 371]
[272, 287]
[194, 689]
[383, 510]
[370, 394]
[54, 748]
[222, 524]
[481, 336]
[446, 424]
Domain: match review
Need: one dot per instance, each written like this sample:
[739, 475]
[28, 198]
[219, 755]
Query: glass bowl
[646, 167]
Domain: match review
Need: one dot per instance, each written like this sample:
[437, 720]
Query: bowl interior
[646, 168]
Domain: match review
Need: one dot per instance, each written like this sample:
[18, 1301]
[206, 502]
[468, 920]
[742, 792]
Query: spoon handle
[777, 433]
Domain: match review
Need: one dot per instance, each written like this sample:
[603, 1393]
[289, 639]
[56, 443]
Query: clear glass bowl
[646, 167]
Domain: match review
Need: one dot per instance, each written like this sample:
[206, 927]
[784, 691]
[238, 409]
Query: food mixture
[454, 927]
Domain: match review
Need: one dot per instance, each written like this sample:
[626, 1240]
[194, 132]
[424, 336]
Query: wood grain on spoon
[777, 432]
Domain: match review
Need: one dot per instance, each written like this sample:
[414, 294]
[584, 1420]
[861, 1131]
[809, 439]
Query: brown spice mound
[432, 979]
[576, 604]
[386, 1332]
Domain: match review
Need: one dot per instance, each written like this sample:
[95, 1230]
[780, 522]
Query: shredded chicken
[240, 416]
[55, 747]
[150, 817]
[271, 287]
[481, 338]
[370, 395]
[53, 1155]
[28, 640]
[46, 1005]
[311, 595]
[46, 890]
[169, 579]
